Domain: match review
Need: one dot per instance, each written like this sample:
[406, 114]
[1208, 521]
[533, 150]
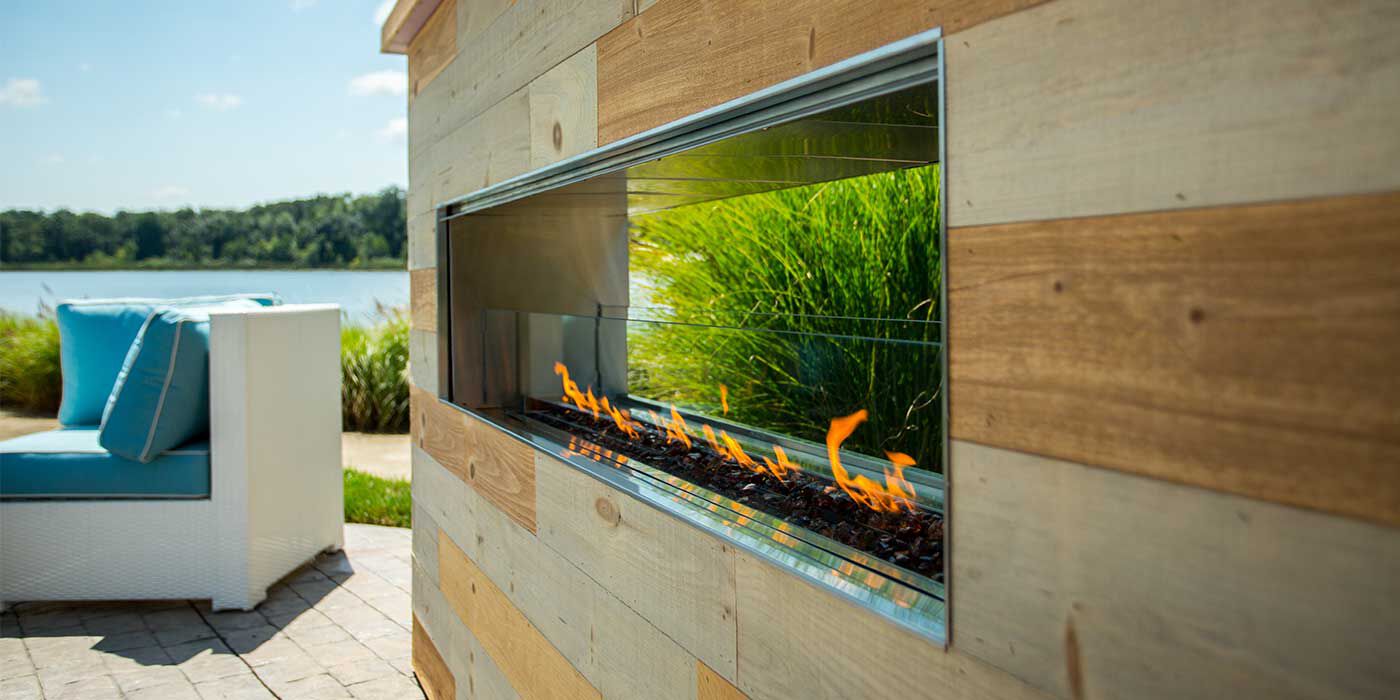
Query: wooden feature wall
[1175, 334]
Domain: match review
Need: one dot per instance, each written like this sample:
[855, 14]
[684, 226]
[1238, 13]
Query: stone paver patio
[337, 628]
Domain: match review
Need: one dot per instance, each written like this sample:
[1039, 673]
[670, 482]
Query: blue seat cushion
[94, 336]
[69, 464]
[161, 396]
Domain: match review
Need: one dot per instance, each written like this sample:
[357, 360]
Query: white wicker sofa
[274, 489]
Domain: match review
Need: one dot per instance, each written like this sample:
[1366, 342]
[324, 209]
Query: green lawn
[376, 500]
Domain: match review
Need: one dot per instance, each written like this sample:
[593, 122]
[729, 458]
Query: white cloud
[53, 159]
[174, 113]
[221, 101]
[381, 13]
[380, 82]
[396, 130]
[84, 67]
[299, 5]
[22, 92]
[169, 192]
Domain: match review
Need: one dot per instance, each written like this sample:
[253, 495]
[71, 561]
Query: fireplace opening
[739, 319]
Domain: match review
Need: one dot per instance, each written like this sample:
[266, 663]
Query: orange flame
[714, 443]
[897, 493]
[724, 398]
[571, 390]
[676, 429]
[783, 466]
[622, 418]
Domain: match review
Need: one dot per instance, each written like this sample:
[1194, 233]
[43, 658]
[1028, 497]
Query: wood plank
[616, 649]
[465, 657]
[439, 431]
[446, 499]
[422, 294]
[1238, 348]
[684, 56]
[422, 240]
[475, 16]
[491, 148]
[533, 666]
[425, 540]
[423, 360]
[433, 674]
[564, 109]
[527, 39]
[404, 22]
[1190, 104]
[501, 469]
[799, 641]
[496, 466]
[712, 686]
[433, 47]
[679, 578]
[1139, 588]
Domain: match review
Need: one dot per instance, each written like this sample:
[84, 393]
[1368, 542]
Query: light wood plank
[501, 469]
[1243, 349]
[425, 529]
[1085, 107]
[433, 674]
[475, 16]
[1144, 589]
[422, 240]
[529, 661]
[423, 360]
[681, 57]
[527, 39]
[712, 686]
[617, 650]
[564, 109]
[422, 293]
[798, 641]
[491, 148]
[433, 47]
[677, 577]
[479, 676]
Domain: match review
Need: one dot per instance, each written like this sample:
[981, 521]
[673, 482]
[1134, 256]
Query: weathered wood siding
[1175, 314]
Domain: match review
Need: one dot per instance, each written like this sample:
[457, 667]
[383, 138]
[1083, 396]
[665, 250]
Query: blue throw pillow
[94, 337]
[161, 396]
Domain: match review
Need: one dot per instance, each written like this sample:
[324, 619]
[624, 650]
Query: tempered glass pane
[805, 305]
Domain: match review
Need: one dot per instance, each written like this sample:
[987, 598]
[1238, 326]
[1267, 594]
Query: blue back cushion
[94, 337]
[161, 396]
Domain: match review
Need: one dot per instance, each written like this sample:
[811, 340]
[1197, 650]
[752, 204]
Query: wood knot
[607, 510]
[1197, 315]
[558, 137]
[471, 469]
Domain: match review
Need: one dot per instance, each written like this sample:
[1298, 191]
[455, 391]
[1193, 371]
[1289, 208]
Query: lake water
[358, 292]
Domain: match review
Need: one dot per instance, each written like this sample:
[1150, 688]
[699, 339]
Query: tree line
[325, 231]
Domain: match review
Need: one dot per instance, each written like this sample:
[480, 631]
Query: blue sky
[109, 104]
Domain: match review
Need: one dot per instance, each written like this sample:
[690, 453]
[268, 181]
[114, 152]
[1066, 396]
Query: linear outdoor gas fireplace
[738, 318]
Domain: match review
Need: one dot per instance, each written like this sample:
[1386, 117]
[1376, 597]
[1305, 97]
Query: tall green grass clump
[30, 377]
[374, 375]
[793, 260]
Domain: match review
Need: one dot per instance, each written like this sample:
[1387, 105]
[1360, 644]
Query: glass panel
[842, 278]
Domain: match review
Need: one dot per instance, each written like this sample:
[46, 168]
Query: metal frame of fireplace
[515, 225]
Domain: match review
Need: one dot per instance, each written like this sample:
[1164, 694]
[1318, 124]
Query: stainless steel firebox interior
[535, 271]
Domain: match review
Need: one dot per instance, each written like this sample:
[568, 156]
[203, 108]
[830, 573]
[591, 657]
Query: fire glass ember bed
[738, 318]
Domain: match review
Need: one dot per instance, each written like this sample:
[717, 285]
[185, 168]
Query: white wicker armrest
[275, 423]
